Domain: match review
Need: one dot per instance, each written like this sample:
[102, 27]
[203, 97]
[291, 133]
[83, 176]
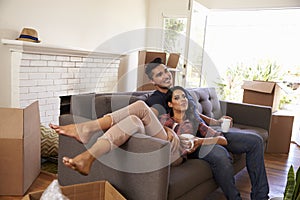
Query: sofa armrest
[138, 169]
[248, 114]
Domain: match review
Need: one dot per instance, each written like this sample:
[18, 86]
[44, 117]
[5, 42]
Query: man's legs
[221, 164]
[252, 145]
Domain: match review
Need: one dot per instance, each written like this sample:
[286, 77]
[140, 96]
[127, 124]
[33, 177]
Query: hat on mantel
[29, 34]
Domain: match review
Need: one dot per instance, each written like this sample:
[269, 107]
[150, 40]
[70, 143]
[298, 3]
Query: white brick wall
[46, 77]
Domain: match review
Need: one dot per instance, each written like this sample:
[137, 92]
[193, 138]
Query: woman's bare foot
[81, 163]
[80, 132]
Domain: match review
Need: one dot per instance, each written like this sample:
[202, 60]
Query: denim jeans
[221, 163]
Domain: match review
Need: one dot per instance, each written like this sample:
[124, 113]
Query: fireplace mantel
[40, 48]
[43, 72]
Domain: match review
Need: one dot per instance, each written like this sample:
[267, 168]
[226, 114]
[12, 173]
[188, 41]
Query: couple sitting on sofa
[142, 119]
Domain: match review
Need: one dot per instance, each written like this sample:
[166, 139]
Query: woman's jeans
[221, 163]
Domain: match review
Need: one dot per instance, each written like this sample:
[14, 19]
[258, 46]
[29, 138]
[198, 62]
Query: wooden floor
[277, 166]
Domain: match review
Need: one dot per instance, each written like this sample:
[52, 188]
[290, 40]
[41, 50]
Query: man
[217, 156]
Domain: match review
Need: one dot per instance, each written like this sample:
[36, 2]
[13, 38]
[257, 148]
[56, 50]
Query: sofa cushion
[185, 177]
[262, 132]
[207, 101]
[108, 103]
[82, 105]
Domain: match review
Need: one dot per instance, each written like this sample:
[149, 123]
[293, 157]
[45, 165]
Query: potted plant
[292, 189]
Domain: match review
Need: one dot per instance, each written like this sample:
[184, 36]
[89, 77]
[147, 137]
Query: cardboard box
[262, 93]
[281, 128]
[147, 56]
[98, 190]
[20, 148]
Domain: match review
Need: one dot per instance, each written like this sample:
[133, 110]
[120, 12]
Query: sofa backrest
[96, 105]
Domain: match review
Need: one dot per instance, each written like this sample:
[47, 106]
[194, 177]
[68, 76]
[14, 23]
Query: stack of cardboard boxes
[268, 94]
[20, 148]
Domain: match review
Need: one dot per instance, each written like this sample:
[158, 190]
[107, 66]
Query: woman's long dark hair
[189, 113]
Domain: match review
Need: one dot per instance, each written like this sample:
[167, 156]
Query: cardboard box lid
[12, 124]
[100, 190]
[173, 60]
[259, 86]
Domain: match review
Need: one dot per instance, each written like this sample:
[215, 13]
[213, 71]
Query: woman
[181, 119]
[122, 124]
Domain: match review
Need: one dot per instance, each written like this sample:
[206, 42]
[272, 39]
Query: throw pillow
[49, 142]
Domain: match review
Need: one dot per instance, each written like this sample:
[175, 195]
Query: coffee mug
[190, 137]
[225, 125]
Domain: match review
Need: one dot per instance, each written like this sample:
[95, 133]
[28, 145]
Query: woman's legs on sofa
[115, 136]
[84, 131]
[140, 109]
[123, 126]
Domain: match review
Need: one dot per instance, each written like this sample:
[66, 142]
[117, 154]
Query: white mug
[190, 137]
[225, 125]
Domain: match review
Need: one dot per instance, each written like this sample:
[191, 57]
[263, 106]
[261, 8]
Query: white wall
[81, 23]
[249, 4]
[159, 8]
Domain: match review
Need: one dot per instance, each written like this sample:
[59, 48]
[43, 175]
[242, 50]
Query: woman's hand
[170, 133]
[197, 143]
[221, 140]
[186, 143]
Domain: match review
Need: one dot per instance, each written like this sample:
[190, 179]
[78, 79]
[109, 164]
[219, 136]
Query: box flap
[259, 86]
[32, 144]
[151, 55]
[11, 123]
[173, 60]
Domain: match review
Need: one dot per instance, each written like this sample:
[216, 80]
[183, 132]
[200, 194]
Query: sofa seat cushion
[260, 131]
[185, 177]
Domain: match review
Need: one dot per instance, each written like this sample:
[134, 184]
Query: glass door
[195, 53]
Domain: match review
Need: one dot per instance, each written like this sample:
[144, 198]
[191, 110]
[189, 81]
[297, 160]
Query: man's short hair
[152, 65]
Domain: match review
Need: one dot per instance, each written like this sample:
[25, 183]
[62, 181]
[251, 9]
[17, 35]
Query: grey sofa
[191, 180]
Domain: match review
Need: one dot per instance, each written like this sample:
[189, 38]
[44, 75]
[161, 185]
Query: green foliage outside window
[229, 87]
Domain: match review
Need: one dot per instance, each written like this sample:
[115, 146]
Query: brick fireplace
[44, 73]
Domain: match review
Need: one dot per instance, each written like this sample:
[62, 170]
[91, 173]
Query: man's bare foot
[78, 131]
[81, 163]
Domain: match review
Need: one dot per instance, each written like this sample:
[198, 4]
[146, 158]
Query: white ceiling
[249, 4]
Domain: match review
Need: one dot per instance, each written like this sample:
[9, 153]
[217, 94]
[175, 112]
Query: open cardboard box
[264, 93]
[98, 190]
[20, 148]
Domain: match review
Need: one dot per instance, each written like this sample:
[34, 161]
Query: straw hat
[29, 34]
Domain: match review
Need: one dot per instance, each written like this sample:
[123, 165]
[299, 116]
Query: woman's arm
[215, 122]
[221, 140]
[210, 121]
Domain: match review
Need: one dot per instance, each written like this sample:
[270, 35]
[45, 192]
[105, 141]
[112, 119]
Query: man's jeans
[221, 163]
